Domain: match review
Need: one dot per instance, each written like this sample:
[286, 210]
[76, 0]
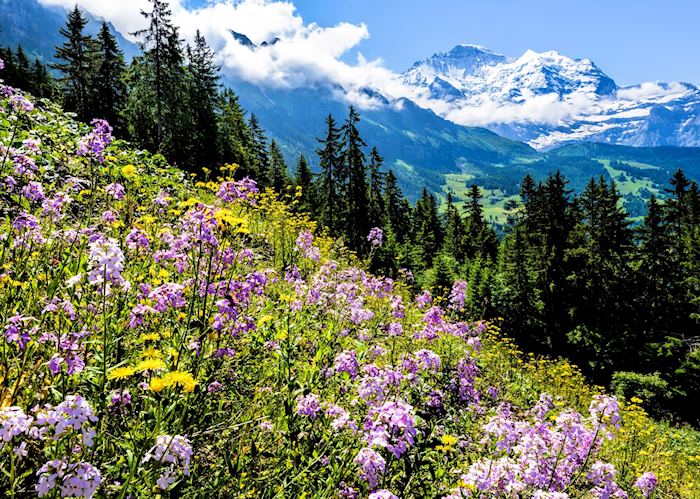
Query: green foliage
[650, 388]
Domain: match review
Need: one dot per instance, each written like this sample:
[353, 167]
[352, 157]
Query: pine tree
[75, 58]
[23, 75]
[479, 237]
[398, 213]
[258, 146]
[678, 213]
[304, 180]
[159, 88]
[550, 218]
[355, 182]
[277, 174]
[600, 274]
[234, 139]
[454, 231]
[375, 195]
[43, 84]
[330, 159]
[516, 296]
[108, 90]
[427, 230]
[204, 86]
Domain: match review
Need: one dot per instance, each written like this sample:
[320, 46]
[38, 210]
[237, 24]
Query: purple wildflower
[646, 483]
[372, 466]
[93, 144]
[375, 237]
[308, 405]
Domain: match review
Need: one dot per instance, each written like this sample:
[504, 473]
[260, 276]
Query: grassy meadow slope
[166, 337]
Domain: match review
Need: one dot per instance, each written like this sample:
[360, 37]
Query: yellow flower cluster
[181, 379]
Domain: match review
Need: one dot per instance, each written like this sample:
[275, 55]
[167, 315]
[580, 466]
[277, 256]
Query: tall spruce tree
[454, 231]
[330, 158]
[304, 180]
[234, 139]
[600, 274]
[427, 230]
[75, 63]
[42, 83]
[204, 89]
[375, 194]
[159, 92]
[258, 145]
[108, 90]
[355, 183]
[23, 72]
[479, 236]
[277, 173]
[398, 215]
[517, 298]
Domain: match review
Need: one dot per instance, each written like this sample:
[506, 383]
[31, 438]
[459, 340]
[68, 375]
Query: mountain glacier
[548, 99]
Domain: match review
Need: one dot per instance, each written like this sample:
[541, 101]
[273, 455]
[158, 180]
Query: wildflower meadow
[166, 337]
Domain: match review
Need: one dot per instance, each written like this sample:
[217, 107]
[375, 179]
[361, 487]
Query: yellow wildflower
[121, 373]
[156, 384]
[151, 353]
[149, 337]
[180, 378]
[129, 171]
[150, 365]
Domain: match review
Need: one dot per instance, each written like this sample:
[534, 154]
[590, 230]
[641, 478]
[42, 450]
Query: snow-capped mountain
[548, 99]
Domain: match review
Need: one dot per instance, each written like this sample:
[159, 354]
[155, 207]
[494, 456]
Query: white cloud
[307, 54]
[545, 109]
[651, 90]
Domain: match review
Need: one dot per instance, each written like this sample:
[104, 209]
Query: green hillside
[170, 338]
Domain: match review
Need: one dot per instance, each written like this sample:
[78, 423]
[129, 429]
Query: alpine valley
[471, 115]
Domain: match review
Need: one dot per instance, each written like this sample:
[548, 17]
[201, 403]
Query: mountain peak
[460, 62]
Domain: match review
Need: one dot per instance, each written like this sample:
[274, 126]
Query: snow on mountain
[547, 99]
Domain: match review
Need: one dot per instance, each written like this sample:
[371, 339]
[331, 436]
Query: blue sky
[631, 40]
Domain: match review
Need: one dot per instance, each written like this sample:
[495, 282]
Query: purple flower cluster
[308, 405]
[173, 451]
[372, 466]
[646, 483]
[116, 190]
[73, 480]
[167, 295]
[238, 190]
[541, 458]
[93, 144]
[346, 362]
[463, 383]
[304, 245]
[375, 237]
[137, 240]
[424, 299]
[458, 295]
[74, 414]
[13, 422]
[391, 426]
[21, 104]
[106, 262]
[16, 330]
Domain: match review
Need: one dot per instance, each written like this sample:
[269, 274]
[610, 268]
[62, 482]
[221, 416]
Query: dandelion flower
[156, 384]
[121, 373]
[150, 365]
[182, 379]
[151, 353]
[149, 337]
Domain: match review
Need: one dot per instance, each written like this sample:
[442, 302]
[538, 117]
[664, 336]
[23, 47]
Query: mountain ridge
[548, 99]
